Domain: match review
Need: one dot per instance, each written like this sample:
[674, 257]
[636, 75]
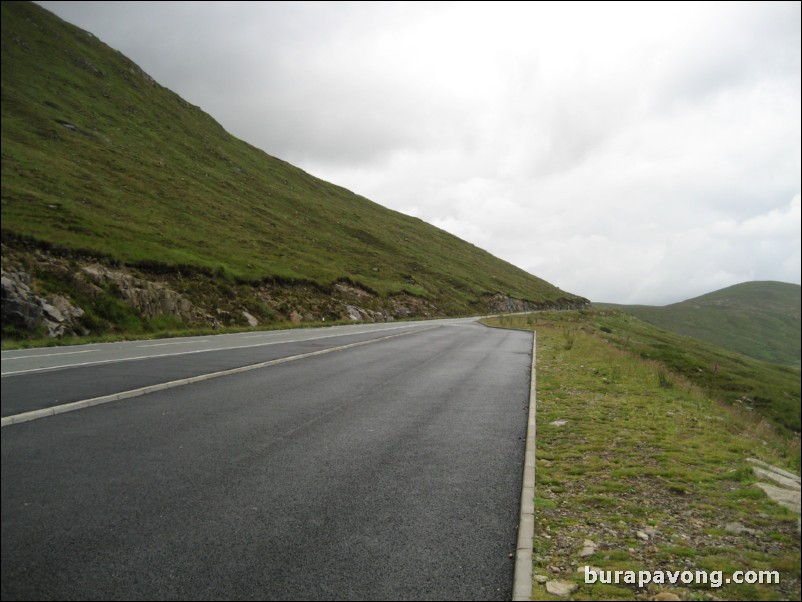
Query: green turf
[754, 386]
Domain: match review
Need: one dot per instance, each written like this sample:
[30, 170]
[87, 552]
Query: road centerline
[86, 403]
[313, 337]
[26, 357]
[175, 343]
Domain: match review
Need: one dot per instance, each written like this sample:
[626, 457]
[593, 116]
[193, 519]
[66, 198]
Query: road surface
[87, 371]
[390, 470]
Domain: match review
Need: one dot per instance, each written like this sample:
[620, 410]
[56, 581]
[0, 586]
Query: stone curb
[522, 579]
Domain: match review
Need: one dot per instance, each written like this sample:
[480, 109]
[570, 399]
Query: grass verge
[651, 470]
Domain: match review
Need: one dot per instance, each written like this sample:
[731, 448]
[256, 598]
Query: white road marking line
[280, 332]
[145, 357]
[269, 333]
[87, 403]
[175, 343]
[24, 357]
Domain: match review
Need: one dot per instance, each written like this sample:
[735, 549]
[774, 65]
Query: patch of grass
[545, 503]
[569, 338]
[753, 387]
[663, 380]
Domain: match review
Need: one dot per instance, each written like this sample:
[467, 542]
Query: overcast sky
[632, 153]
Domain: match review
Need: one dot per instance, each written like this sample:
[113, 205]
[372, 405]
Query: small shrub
[569, 337]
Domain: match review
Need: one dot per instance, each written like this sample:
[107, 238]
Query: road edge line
[522, 575]
[88, 403]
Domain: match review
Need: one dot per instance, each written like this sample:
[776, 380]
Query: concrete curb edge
[522, 577]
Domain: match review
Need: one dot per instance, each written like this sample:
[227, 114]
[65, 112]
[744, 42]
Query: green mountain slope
[99, 160]
[758, 319]
[767, 389]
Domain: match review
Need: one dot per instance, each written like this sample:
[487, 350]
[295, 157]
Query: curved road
[390, 470]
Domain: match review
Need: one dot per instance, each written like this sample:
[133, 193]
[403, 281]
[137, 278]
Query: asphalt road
[28, 361]
[87, 371]
[386, 471]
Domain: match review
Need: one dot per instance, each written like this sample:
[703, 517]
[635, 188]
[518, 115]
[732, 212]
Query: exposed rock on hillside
[51, 295]
[26, 312]
[150, 299]
[93, 298]
[499, 303]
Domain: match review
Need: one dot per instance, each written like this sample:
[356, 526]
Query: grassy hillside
[648, 466]
[758, 319]
[758, 387]
[98, 158]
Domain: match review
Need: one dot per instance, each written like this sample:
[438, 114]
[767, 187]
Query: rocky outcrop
[27, 312]
[101, 297]
[250, 319]
[150, 299]
[367, 315]
[353, 313]
[500, 303]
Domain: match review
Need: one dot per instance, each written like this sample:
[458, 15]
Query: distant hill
[101, 163]
[758, 319]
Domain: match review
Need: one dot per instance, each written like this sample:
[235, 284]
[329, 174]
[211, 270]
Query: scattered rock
[541, 579]
[642, 536]
[588, 548]
[250, 319]
[61, 317]
[779, 471]
[561, 588]
[738, 529]
[778, 478]
[588, 569]
[666, 596]
[351, 291]
[560, 422]
[353, 313]
[785, 487]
